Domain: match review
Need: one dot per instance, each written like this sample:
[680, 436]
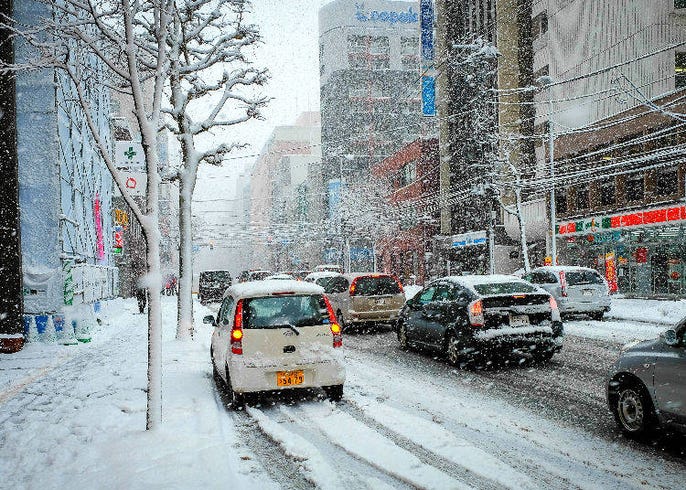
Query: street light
[547, 82]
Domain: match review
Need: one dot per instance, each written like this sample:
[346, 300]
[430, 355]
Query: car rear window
[370, 286]
[575, 278]
[492, 288]
[215, 276]
[258, 276]
[276, 311]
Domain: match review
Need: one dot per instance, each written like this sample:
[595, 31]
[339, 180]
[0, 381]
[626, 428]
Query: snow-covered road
[74, 417]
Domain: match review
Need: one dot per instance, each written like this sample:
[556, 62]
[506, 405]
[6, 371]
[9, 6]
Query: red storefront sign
[611, 271]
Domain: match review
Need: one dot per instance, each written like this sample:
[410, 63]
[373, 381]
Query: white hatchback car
[276, 335]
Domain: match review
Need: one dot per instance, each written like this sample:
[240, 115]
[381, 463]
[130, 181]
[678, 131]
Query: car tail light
[476, 313]
[334, 325]
[399, 284]
[553, 303]
[237, 330]
[353, 286]
[563, 284]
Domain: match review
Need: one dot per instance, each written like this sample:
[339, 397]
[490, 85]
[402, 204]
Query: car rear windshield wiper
[287, 325]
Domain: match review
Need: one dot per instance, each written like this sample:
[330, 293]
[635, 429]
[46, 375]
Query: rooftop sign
[390, 17]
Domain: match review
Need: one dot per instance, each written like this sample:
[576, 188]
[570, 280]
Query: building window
[542, 72]
[539, 25]
[380, 63]
[634, 188]
[561, 201]
[408, 174]
[582, 198]
[680, 70]
[357, 44]
[679, 4]
[666, 182]
[409, 46]
[379, 45]
[607, 192]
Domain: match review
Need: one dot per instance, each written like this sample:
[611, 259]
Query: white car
[276, 335]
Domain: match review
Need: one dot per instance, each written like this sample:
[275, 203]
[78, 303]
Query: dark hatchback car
[647, 384]
[482, 318]
[212, 284]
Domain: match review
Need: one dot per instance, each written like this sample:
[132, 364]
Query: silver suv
[647, 385]
[577, 290]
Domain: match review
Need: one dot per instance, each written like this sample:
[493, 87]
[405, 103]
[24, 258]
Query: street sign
[129, 155]
[469, 239]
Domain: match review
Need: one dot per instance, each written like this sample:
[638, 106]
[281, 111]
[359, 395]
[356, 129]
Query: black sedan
[486, 317]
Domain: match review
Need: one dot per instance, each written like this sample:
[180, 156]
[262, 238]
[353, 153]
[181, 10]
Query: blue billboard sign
[428, 96]
[426, 19]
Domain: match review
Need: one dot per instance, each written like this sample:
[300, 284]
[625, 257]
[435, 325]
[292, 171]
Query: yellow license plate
[289, 378]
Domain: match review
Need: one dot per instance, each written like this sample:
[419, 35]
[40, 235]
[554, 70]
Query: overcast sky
[290, 51]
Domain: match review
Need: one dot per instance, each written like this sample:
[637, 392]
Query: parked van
[577, 290]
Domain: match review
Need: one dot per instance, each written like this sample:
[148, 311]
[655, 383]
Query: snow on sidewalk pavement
[78, 420]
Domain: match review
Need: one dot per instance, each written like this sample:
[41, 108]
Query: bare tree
[108, 34]
[211, 81]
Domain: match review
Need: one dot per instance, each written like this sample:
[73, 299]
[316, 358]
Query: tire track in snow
[456, 454]
[366, 443]
[323, 464]
[552, 455]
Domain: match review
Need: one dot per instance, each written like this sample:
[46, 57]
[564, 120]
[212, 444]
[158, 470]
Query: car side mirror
[670, 337]
[209, 320]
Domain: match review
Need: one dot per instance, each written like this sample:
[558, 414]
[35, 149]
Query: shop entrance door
[659, 271]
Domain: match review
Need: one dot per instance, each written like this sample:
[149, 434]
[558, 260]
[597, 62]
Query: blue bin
[41, 323]
[58, 321]
[27, 325]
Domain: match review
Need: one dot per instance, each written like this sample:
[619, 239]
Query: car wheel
[633, 410]
[544, 356]
[597, 315]
[402, 335]
[334, 393]
[452, 350]
[236, 400]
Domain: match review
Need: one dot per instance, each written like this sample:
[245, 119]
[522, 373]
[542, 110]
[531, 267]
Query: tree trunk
[184, 328]
[154, 283]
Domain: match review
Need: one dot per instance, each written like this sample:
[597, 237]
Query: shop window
[582, 198]
[408, 174]
[608, 192]
[561, 201]
[680, 70]
[634, 188]
[679, 4]
[666, 183]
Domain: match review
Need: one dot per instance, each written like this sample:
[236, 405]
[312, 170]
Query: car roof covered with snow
[470, 281]
[252, 289]
[313, 276]
[566, 268]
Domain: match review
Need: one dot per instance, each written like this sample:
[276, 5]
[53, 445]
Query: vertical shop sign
[118, 240]
[426, 20]
[611, 271]
[68, 282]
[100, 239]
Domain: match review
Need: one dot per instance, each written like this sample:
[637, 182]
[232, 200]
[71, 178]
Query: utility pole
[551, 151]
[11, 286]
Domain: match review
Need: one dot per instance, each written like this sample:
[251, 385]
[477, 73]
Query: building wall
[272, 225]
[369, 91]
[584, 37]
[65, 189]
[410, 174]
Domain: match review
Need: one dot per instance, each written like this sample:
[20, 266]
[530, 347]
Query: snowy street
[74, 416]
